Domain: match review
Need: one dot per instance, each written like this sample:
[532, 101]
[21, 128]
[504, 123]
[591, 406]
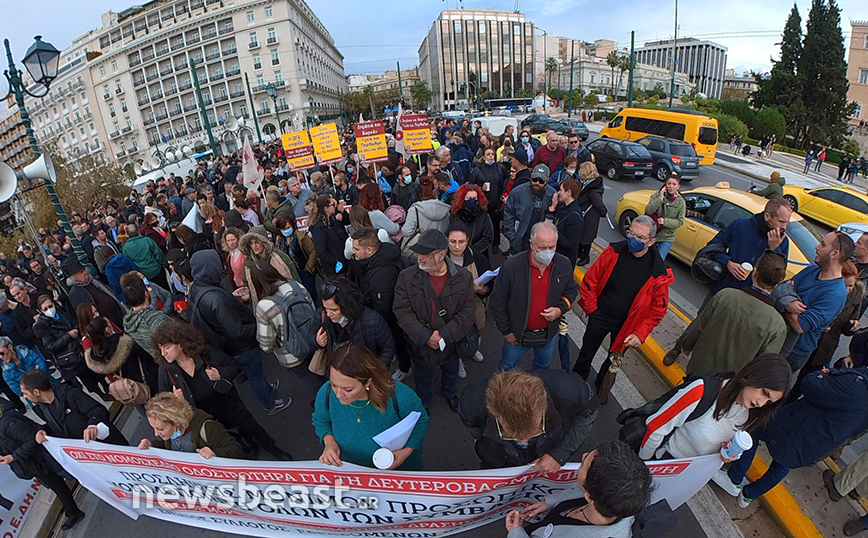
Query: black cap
[72, 266]
[429, 241]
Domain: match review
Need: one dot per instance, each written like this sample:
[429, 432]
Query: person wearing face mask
[300, 249]
[525, 206]
[433, 337]
[470, 208]
[86, 289]
[527, 315]
[344, 319]
[406, 191]
[181, 427]
[569, 170]
[526, 147]
[625, 294]
[667, 208]
[491, 177]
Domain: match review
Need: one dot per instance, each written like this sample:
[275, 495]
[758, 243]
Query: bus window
[707, 136]
[667, 129]
[617, 121]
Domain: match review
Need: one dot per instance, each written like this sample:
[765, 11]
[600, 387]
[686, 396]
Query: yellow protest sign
[415, 131]
[325, 143]
[299, 154]
[371, 141]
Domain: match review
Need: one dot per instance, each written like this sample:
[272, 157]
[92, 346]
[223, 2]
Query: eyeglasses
[539, 180]
[631, 233]
[500, 431]
[574, 141]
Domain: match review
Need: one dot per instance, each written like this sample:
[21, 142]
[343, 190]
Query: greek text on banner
[371, 141]
[416, 132]
[299, 154]
[292, 499]
[326, 144]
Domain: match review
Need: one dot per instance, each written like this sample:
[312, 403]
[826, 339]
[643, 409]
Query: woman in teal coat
[359, 401]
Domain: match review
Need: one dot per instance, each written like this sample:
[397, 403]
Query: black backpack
[633, 421]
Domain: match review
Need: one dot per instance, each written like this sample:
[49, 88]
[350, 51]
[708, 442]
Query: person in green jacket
[667, 208]
[146, 255]
[738, 324]
[774, 188]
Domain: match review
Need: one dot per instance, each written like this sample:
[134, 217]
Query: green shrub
[769, 121]
[598, 115]
[729, 126]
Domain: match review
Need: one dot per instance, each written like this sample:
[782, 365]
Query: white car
[853, 229]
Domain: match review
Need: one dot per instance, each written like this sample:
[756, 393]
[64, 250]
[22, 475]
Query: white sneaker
[400, 375]
[743, 502]
[462, 371]
[721, 478]
[478, 357]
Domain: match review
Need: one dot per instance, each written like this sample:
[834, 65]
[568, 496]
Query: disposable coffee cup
[486, 186]
[740, 442]
[383, 458]
[747, 267]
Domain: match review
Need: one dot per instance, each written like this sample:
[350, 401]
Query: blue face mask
[634, 245]
[379, 175]
[342, 320]
[287, 232]
[471, 203]
[349, 169]
[146, 282]
[525, 139]
[489, 162]
[408, 179]
[176, 435]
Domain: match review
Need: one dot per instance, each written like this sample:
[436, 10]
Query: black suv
[544, 126]
[618, 158]
[531, 118]
[671, 156]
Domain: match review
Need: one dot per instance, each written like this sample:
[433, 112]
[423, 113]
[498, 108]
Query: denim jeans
[423, 376]
[772, 477]
[542, 356]
[564, 351]
[251, 364]
[663, 248]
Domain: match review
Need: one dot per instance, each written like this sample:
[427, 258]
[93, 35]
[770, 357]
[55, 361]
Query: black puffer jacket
[18, 439]
[478, 223]
[224, 320]
[592, 207]
[371, 331]
[120, 354]
[53, 333]
[329, 241]
[496, 178]
[376, 277]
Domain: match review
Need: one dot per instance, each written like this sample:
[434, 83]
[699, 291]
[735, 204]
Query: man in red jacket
[551, 155]
[625, 294]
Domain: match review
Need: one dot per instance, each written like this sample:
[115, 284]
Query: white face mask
[51, 312]
[544, 257]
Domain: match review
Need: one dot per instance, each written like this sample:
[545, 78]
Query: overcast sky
[373, 35]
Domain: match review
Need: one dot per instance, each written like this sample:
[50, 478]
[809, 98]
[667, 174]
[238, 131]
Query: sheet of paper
[487, 276]
[395, 438]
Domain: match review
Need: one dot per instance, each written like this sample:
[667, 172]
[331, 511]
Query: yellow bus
[691, 126]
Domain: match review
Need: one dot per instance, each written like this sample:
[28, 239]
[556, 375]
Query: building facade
[387, 82]
[470, 54]
[738, 85]
[857, 72]
[137, 74]
[14, 146]
[703, 62]
[593, 75]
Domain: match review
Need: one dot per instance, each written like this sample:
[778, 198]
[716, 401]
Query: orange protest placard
[326, 144]
[371, 141]
[299, 154]
[416, 132]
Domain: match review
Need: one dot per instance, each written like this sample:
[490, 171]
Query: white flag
[399, 133]
[250, 168]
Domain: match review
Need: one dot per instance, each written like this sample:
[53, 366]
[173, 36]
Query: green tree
[551, 66]
[769, 121]
[592, 99]
[739, 108]
[729, 126]
[823, 74]
[851, 147]
[356, 103]
[421, 95]
[612, 62]
[623, 67]
[368, 92]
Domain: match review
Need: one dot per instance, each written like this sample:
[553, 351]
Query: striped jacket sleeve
[670, 416]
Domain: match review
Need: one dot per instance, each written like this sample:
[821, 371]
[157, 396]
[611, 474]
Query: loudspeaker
[170, 156]
[187, 151]
[41, 168]
[231, 123]
[153, 162]
[137, 168]
[8, 182]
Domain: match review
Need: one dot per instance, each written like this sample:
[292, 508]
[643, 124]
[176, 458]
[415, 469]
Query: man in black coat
[228, 324]
[533, 290]
[375, 271]
[68, 412]
[521, 418]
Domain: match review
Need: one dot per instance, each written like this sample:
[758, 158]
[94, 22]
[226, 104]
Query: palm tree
[612, 61]
[551, 66]
[623, 66]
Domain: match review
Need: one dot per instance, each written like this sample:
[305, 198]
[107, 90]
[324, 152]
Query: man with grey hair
[444, 156]
[625, 294]
[527, 316]
[277, 206]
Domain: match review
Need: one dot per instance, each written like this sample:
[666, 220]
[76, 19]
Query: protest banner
[292, 499]
[299, 154]
[371, 141]
[250, 168]
[415, 132]
[16, 498]
[326, 144]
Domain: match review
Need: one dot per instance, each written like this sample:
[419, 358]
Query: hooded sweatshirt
[425, 215]
[276, 257]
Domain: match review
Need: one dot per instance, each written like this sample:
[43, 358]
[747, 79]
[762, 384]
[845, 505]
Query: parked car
[617, 158]
[534, 117]
[671, 156]
[832, 206]
[711, 209]
[853, 229]
[578, 126]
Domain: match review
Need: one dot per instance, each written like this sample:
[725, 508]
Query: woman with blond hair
[180, 427]
[359, 401]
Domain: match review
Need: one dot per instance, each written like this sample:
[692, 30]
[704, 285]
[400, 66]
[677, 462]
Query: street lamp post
[202, 107]
[271, 90]
[310, 112]
[41, 62]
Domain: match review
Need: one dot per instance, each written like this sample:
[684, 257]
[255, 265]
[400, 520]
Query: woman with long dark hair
[328, 235]
[371, 198]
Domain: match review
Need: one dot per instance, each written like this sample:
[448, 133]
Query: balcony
[147, 121]
[263, 112]
[212, 57]
[114, 135]
[185, 86]
[152, 78]
[282, 108]
[171, 91]
[259, 88]
[106, 96]
[253, 45]
[138, 82]
[144, 101]
[119, 91]
[148, 57]
[257, 65]
[88, 115]
[189, 108]
[163, 52]
[236, 95]
[77, 85]
[166, 72]
[161, 117]
[210, 35]
[194, 39]
[233, 73]
[181, 65]
[217, 76]
[77, 120]
[167, 16]
[120, 154]
[136, 61]
[206, 101]
[275, 61]
[221, 98]
[227, 30]
[124, 109]
[157, 94]
[272, 41]
[177, 46]
[127, 130]
[230, 52]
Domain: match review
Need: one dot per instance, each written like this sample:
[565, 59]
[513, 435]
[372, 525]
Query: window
[268, 12]
[243, 110]
[516, 29]
[458, 27]
[482, 27]
[82, 133]
[698, 205]
[667, 129]
[828, 194]
[102, 72]
[857, 112]
[260, 80]
[112, 109]
[854, 203]
[272, 35]
[92, 128]
[257, 63]
[707, 136]
[863, 76]
[114, 66]
[253, 39]
[275, 58]
[129, 122]
[124, 105]
[264, 103]
[250, 16]
[729, 212]
[278, 76]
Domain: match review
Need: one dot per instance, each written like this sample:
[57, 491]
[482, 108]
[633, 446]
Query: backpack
[633, 421]
[298, 313]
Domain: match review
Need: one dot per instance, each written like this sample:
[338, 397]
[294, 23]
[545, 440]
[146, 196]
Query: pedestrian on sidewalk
[834, 408]
[821, 157]
[668, 209]
[738, 144]
[853, 479]
[771, 147]
[843, 166]
[809, 158]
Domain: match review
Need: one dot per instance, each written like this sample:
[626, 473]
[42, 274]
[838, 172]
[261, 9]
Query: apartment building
[857, 72]
[704, 62]
[14, 146]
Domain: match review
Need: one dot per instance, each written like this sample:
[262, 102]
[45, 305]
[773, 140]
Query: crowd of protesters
[376, 276]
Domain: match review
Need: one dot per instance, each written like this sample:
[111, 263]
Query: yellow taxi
[711, 209]
[833, 206]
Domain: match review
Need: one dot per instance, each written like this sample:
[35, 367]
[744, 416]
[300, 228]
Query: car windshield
[805, 235]
[682, 150]
[635, 150]
[555, 125]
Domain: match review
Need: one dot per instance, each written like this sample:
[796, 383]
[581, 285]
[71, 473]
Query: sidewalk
[800, 504]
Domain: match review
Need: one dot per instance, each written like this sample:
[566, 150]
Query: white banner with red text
[291, 499]
[16, 499]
